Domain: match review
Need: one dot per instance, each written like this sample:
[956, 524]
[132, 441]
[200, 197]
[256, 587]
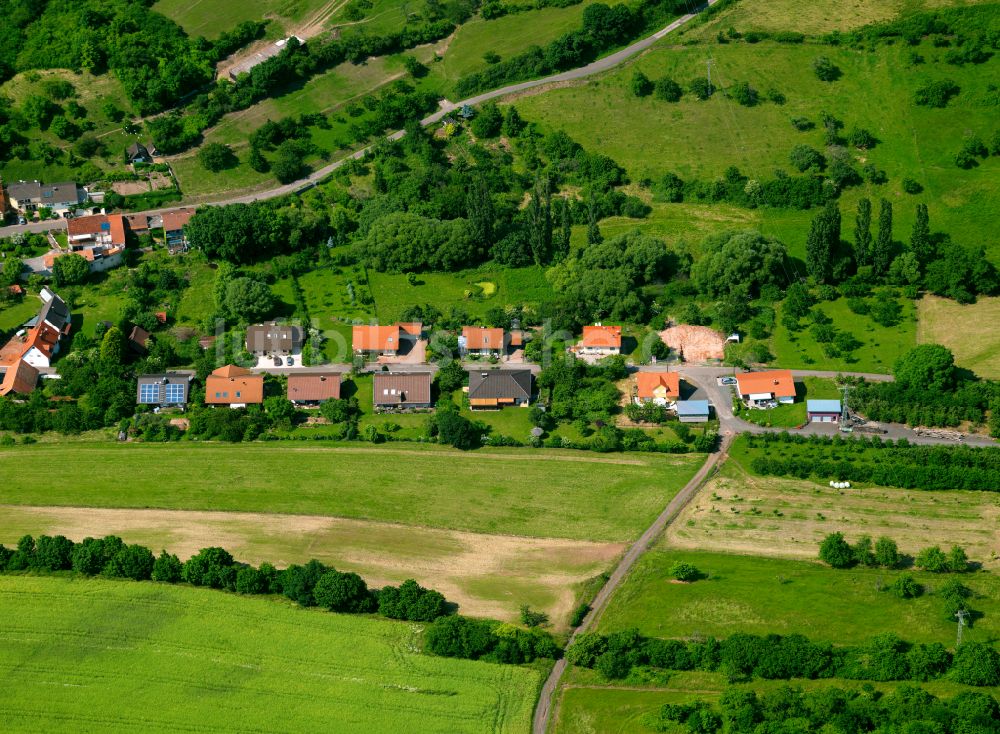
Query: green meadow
[94, 655]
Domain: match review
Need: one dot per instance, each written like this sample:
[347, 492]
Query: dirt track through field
[487, 575]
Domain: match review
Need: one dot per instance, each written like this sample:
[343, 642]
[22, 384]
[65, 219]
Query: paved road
[544, 708]
[596, 67]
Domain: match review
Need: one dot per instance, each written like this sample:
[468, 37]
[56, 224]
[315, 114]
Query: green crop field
[765, 595]
[92, 655]
[552, 494]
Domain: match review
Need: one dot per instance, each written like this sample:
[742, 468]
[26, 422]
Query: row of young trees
[885, 657]
[884, 553]
[312, 584]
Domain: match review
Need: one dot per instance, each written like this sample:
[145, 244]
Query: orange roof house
[19, 378]
[234, 386]
[98, 229]
[762, 388]
[600, 339]
[482, 340]
[378, 339]
[662, 388]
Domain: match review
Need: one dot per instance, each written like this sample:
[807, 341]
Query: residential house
[692, 411]
[38, 343]
[273, 339]
[600, 340]
[139, 224]
[138, 153]
[482, 341]
[173, 223]
[19, 377]
[313, 388]
[766, 389]
[384, 340]
[29, 196]
[661, 388]
[170, 389]
[234, 386]
[401, 390]
[493, 389]
[100, 238]
[823, 411]
[138, 340]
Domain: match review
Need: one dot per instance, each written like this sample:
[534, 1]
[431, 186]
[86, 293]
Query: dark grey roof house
[171, 388]
[497, 388]
[402, 389]
[273, 338]
[54, 311]
[137, 153]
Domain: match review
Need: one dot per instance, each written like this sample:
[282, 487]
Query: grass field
[211, 19]
[588, 705]
[144, 657]
[771, 595]
[737, 512]
[968, 331]
[701, 139]
[486, 575]
[568, 494]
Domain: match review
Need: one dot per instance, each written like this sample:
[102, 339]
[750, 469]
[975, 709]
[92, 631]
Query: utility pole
[961, 614]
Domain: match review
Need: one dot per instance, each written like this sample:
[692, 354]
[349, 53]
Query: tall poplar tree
[863, 233]
[920, 238]
[882, 252]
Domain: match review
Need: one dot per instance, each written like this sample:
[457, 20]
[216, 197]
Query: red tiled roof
[177, 219]
[20, 378]
[480, 337]
[602, 336]
[650, 381]
[375, 338]
[222, 386]
[777, 382]
[311, 387]
[413, 328]
[92, 226]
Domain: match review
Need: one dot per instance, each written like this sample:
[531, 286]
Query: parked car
[277, 361]
[290, 362]
[727, 381]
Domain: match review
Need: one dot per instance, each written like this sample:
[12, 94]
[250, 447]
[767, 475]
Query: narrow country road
[543, 710]
[603, 64]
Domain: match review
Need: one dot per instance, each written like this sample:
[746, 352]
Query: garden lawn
[545, 493]
[13, 316]
[771, 595]
[791, 416]
[126, 657]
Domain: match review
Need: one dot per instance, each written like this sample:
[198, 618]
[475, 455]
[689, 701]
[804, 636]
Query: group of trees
[480, 639]
[837, 552]
[246, 233]
[885, 463]
[741, 656]
[907, 708]
[312, 584]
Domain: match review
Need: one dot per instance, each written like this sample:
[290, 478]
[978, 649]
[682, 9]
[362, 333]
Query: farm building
[268, 52]
[401, 390]
[661, 388]
[766, 389]
[493, 389]
[313, 388]
[823, 411]
[692, 411]
[234, 386]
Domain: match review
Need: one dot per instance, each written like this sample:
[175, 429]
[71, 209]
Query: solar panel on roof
[105, 226]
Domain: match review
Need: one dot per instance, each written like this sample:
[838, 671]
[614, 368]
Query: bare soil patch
[695, 343]
[487, 575]
[788, 518]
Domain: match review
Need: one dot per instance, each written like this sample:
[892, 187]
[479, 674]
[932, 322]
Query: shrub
[531, 618]
[744, 94]
[976, 664]
[167, 568]
[824, 69]
[579, 614]
[701, 88]
[641, 84]
[836, 551]
[906, 587]
[936, 94]
[216, 157]
[932, 559]
[683, 571]
[412, 602]
[343, 592]
[886, 552]
[210, 567]
[910, 186]
[250, 581]
[668, 90]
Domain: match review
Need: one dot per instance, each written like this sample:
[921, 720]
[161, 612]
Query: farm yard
[131, 657]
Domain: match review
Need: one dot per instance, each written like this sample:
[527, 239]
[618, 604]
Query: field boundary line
[544, 709]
